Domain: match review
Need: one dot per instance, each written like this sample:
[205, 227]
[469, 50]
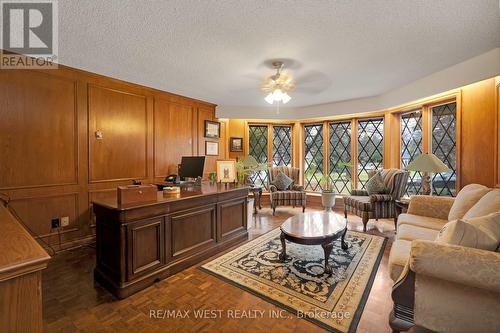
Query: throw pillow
[375, 185]
[489, 223]
[466, 198]
[489, 203]
[462, 233]
[282, 181]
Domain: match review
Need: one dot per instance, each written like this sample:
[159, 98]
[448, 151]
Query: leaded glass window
[313, 156]
[370, 147]
[340, 157]
[444, 134]
[282, 145]
[411, 147]
[258, 148]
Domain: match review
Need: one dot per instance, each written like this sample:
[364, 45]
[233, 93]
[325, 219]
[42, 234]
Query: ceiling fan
[278, 86]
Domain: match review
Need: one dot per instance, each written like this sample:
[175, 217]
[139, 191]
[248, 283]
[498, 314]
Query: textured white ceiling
[215, 50]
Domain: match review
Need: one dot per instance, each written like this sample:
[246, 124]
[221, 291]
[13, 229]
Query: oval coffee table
[314, 228]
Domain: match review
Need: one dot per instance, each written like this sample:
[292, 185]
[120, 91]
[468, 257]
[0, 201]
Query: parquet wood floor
[72, 303]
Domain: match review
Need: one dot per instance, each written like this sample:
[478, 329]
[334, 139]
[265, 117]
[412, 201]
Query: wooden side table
[257, 195]
[401, 207]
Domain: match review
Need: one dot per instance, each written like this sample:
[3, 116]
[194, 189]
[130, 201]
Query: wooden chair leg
[365, 220]
[274, 211]
[303, 209]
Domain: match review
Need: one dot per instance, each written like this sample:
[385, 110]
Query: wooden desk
[21, 262]
[139, 244]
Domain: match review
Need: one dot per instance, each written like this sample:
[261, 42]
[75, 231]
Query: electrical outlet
[64, 221]
[56, 223]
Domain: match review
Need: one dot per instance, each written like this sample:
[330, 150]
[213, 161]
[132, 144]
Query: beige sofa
[440, 286]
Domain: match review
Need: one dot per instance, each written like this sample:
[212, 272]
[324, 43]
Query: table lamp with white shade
[427, 163]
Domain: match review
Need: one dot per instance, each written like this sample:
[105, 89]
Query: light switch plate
[64, 221]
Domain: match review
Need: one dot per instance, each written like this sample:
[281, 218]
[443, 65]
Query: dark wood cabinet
[142, 243]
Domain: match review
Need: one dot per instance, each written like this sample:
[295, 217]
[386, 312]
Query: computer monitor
[191, 167]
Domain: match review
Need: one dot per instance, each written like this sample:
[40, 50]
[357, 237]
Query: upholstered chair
[294, 195]
[378, 206]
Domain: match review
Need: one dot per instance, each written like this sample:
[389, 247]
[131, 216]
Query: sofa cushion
[282, 181]
[421, 221]
[400, 252]
[461, 233]
[288, 197]
[489, 223]
[489, 203]
[375, 184]
[466, 198]
[361, 203]
[411, 232]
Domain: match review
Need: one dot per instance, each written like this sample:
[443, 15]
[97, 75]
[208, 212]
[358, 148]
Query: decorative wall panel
[38, 130]
[121, 118]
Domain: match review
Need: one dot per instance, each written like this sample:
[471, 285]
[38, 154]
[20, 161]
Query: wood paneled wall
[53, 165]
[497, 132]
[238, 129]
[478, 126]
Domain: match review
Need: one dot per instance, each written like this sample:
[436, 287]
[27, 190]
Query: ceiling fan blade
[253, 77]
[313, 82]
[312, 76]
[309, 90]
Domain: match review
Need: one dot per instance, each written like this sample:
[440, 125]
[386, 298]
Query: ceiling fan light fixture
[269, 98]
[277, 95]
[278, 86]
[285, 98]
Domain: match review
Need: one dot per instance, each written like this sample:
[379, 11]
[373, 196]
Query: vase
[328, 200]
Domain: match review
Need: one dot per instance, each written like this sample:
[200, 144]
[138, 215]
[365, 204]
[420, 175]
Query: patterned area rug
[334, 302]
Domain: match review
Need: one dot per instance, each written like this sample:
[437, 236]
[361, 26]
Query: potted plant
[246, 167]
[212, 177]
[327, 193]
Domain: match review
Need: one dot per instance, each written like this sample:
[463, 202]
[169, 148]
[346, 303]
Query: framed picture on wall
[211, 148]
[236, 144]
[226, 171]
[212, 129]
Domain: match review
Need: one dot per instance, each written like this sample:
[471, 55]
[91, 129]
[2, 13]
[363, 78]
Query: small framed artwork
[211, 148]
[226, 171]
[236, 144]
[212, 129]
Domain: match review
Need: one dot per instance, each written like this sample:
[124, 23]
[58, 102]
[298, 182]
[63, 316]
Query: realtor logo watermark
[29, 36]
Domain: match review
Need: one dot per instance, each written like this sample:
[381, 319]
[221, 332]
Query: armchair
[447, 288]
[378, 205]
[294, 195]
